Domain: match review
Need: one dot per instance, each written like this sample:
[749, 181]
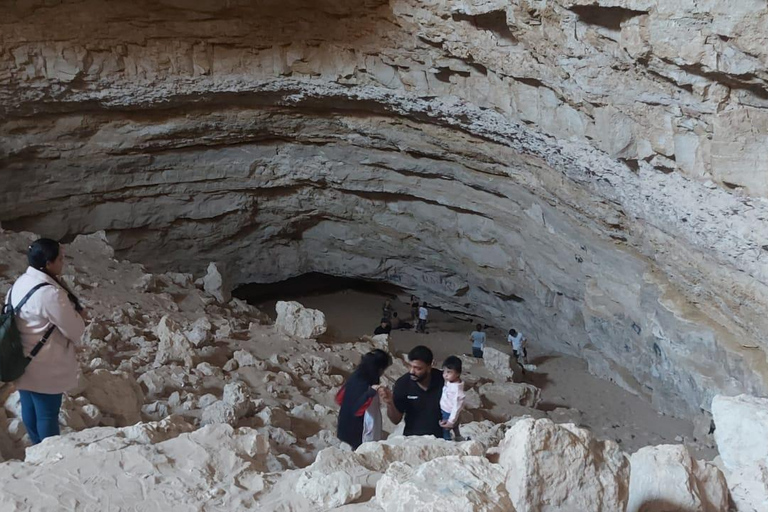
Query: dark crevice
[610, 18]
[495, 22]
[444, 74]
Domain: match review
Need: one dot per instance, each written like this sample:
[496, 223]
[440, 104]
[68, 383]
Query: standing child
[452, 400]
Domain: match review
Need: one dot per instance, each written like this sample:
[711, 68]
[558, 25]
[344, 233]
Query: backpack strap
[26, 297]
[41, 343]
[44, 340]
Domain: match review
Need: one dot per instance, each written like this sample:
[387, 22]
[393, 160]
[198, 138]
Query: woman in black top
[358, 393]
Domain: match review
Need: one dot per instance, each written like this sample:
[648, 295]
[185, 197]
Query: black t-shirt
[421, 408]
[382, 330]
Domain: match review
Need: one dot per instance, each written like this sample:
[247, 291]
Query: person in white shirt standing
[452, 400]
[519, 346]
[54, 315]
[423, 313]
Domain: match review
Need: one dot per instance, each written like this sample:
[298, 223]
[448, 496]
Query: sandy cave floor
[605, 408]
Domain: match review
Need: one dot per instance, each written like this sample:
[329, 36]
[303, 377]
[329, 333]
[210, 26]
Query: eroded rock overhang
[185, 154]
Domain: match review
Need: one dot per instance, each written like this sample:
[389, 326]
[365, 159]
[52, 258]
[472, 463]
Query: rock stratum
[589, 171]
[186, 403]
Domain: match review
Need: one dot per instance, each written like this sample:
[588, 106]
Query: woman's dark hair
[452, 363]
[372, 365]
[42, 252]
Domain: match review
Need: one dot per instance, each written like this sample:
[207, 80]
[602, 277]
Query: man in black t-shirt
[416, 396]
[383, 328]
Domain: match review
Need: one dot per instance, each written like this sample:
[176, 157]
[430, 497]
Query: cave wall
[591, 171]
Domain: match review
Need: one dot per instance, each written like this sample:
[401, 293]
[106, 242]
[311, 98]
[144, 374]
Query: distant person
[383, 328]
[421, 326]
[51, 321]
[360, 414]
[519, 345]
[416, 396]
[414, 309]
[452, 400]
[399, 324]
[477, 337]
[386, 310]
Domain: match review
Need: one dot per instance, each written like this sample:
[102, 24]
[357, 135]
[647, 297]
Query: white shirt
[452, 400]
[423, 313]
[516, 341]
[372, 421]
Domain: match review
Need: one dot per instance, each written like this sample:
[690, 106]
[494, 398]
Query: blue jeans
[477, 352]
[446, 431]
[40, 414]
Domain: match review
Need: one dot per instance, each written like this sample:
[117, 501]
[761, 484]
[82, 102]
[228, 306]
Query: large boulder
[562, 468]
[498, 363]
[667, 479]
[526, 395]
[413, 450]
[295, 320]
[741, 430]
[467, 484]
[173, 345]
[216, 284]
[116, 394]
[334, 479]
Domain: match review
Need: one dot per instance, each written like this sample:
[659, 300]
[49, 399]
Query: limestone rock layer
[590, 171]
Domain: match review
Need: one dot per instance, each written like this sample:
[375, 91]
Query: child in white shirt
[452, 401]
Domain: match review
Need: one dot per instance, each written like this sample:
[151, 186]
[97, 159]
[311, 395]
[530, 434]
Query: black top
[421, 408]
[357, 393]
[382, 330]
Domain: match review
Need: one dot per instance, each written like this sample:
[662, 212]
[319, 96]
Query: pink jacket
[54, 369]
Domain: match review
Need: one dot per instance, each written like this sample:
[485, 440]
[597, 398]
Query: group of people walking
[516, 340]
[427, 399]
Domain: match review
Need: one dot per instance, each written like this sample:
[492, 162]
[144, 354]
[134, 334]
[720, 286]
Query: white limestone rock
[216, 284]
[245, 358]
[173, 345]
[116, 394]
[562, 468]
[526, 395]
[238, 396]
[667, 479]
[741, 428]
[295, 320]
[499, 363]
[413, 450]
[471, 484]
[215, 467]
[334, 479]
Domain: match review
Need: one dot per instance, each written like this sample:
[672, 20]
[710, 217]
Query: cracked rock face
[589, 171]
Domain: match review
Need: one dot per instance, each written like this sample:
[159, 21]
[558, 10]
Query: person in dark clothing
[399, 324]
[383, 328]
[358, 396]
[416, 396]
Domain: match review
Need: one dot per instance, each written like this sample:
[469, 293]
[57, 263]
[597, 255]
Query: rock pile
[223, 411]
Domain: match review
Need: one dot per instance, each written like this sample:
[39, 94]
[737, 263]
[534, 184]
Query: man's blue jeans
[40, 414]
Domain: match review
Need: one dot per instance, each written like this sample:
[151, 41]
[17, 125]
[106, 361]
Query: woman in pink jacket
[52, 307]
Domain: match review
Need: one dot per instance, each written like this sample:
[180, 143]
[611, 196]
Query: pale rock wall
[590, 171]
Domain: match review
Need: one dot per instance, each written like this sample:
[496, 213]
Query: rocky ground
[191, 400]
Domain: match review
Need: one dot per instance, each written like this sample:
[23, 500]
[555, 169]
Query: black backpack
[13, 362]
